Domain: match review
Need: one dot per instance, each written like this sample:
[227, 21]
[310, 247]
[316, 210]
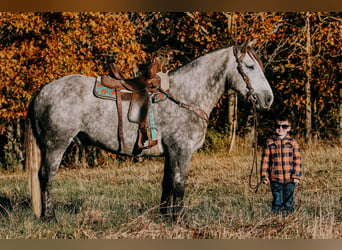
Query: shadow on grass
[72, 206]
[8, 204]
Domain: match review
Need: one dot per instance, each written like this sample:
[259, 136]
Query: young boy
[281, 166]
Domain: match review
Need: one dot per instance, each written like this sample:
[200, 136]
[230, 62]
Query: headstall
[251, 94]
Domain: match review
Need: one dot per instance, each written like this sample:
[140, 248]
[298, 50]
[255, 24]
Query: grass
[120, 201]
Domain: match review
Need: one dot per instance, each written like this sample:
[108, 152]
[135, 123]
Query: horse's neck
[201, 82]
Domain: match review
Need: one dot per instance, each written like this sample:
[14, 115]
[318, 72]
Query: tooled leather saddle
[137, 91]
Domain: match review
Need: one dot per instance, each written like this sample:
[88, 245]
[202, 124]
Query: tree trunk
[339, 129]
[232, 118]
[14, 154]
[231, 26]
[308, 113]
[18, 148]
[232, 95]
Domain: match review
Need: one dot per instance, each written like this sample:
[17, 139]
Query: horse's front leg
[176, 166]
[166, 187]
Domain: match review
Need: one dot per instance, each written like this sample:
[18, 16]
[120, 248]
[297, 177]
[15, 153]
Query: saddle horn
[153, 69]
[116, 72]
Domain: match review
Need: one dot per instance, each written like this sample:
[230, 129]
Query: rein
[253, 98]
[200, 112]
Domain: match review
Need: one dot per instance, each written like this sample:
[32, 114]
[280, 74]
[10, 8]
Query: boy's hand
[295, 181]
[265, 180]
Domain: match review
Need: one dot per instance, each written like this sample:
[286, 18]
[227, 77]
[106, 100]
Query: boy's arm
[297, 163]
[264, 171]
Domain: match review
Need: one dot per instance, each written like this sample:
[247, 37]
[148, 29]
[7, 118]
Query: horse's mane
[252, 53]
[192, 60]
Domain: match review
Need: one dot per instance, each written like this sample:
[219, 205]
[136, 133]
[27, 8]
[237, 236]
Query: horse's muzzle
[262, 101]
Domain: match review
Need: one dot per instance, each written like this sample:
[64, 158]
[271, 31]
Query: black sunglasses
[283, 126]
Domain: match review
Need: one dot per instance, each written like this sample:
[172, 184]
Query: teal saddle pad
[108, 93]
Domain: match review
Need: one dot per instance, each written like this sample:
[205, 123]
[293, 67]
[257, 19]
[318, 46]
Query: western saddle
[141, 87]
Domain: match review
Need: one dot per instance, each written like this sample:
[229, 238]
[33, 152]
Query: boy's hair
[282, 117]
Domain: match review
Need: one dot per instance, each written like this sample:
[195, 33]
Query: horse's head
[247, 76]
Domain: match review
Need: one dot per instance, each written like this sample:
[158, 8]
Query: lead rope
[255, 155]
[253, 99]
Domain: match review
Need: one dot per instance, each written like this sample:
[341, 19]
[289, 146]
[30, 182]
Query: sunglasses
[283, 126]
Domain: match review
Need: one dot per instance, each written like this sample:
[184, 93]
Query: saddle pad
[108, 93]
[104, 92]
[158, 97]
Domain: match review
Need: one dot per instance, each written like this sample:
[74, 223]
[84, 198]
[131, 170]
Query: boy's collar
[278, 138]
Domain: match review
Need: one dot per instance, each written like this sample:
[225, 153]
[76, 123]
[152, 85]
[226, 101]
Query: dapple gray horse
[66, 110]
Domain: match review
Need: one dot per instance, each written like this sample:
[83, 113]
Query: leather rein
[200, 112]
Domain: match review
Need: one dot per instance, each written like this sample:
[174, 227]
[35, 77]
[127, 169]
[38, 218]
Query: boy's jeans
[283, 200]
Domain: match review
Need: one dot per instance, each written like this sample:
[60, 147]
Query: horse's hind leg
[50, 164]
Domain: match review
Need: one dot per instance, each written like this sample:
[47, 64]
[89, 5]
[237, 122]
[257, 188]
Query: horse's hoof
[48, 218]
[163, 210]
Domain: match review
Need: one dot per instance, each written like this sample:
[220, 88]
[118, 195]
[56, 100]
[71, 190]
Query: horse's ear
[247, 44]
[244, 47]
[252, 43]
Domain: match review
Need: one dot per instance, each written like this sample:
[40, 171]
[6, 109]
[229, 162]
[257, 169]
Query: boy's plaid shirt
[281, 160]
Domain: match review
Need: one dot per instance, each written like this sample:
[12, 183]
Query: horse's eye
[251, 67]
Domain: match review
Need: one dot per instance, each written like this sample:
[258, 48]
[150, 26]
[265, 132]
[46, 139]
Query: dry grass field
[120, 200]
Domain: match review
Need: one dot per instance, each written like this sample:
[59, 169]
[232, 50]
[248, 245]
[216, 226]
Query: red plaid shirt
[281, 160]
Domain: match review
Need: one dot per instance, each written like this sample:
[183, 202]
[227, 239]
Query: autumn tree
[301, 52]
[291, 68]
[37, 48]
[308, 70]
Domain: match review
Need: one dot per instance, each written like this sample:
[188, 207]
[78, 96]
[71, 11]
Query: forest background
[301, 53]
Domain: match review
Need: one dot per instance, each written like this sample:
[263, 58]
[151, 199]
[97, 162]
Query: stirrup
[145, 144]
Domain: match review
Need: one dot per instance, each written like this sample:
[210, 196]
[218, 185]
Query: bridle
[252, 98]
[251, 94]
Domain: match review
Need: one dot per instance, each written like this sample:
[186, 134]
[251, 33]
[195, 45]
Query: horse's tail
[33, 162]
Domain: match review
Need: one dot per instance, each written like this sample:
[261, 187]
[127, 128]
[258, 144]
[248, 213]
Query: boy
[281, 166]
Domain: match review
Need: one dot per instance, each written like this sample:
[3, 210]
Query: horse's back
[65, 86]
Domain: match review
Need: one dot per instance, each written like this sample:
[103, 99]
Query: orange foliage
[37, 48]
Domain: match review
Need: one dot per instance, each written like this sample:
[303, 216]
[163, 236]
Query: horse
[66, 110]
